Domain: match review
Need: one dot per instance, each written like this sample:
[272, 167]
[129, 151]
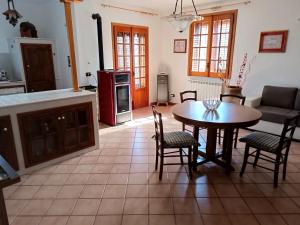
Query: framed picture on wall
[180, 45]
[273, 41]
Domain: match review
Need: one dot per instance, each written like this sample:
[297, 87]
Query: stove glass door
[123, 98]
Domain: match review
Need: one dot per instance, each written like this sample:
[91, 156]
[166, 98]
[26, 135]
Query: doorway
[130, 48]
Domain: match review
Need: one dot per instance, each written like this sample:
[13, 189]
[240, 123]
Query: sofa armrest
[253, 101]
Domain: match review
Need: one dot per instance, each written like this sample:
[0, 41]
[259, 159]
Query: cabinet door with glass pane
[40, 137]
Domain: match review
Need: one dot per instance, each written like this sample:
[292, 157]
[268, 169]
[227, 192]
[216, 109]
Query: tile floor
[117, 184]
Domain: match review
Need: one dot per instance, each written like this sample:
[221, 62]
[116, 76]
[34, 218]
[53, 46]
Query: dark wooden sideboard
[7, 143]
[52, 133]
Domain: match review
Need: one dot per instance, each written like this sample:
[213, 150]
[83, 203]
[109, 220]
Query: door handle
[69, 61]
[5, 129]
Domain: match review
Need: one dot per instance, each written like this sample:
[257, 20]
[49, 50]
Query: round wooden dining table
[227, 116]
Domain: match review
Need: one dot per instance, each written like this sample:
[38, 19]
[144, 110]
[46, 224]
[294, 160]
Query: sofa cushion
[297, 101]
[283, 97]
[274, 114]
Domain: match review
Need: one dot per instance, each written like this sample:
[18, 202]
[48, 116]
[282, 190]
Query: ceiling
[163, 5]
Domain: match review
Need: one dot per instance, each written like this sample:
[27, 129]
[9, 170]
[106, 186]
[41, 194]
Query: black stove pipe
[96, 16]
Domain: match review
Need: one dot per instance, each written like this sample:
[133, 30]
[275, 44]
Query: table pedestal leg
[195, 148]
[228, 136]
[3, 213]
[211, 144]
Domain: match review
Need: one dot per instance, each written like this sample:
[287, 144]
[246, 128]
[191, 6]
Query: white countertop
[38, 97]
[11, 83]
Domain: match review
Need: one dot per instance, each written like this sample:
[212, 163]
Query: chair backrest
[288, 130]
[188, 96]
[158, 125]
[238, 99]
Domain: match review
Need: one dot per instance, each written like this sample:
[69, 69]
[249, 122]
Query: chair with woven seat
[278, 145]
[171, 140]
[237, 99]
[187, 96]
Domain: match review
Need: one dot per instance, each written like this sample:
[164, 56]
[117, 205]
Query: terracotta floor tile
[139, 168]
[185, 206]
[285, 205]
[92, 191]
[114, 191]
[270, 220]
[159, 190]
[204, 190]
[102, 168]
[136, 206]
[182, 190]
[249, 190]
[226, 190]
[260, 206]
[210, 206]
[120, 168]
[215, 220]
[64, 168]
[57, 179]
[138, 178]
[54, 220]
[27, 220]
[85, 207]
[118, 179]
[111, 207]
[83, 169]
[243, 220]
[292, 219]
[178, 178]
[235, 206]
[108, 220]
[140, 191]
[98, 179]
[47, 192]
[188, 220]
[270, 191]
[36, 179]
[135, 220]
[77, 179]
[70, 191]
[14, 207]
[8, 191]
[25, 192]
[62, 207]
[80, 220]
[36, 207]
[161, 219]
[160, 206]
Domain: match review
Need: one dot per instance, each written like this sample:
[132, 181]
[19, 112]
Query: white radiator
[206, 89]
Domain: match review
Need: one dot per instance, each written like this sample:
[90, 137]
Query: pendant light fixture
[180, 20]
[12, 15]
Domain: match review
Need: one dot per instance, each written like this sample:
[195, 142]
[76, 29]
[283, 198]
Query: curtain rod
[130, 10]
[223, 5]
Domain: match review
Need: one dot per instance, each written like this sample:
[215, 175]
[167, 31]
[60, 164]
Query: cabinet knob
[63, 117]
[5, 129]
[59, 118]
[28, 66]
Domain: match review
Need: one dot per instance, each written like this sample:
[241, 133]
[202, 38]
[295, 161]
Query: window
[211, 45]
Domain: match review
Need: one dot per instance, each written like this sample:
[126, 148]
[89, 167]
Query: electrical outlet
[172, 95]
[88, 74]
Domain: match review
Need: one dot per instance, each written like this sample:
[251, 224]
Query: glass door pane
[123, 51]
[139, 51]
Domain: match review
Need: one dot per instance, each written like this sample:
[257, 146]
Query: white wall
[49, 20]
[87, 44]
[268, 68]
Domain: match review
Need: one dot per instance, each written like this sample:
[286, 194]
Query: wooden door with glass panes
[131, 54]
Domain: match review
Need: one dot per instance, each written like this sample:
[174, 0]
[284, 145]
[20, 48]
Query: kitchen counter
[38, 97]
[50, 105]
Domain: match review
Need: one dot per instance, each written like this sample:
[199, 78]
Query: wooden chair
[187, 96]
[233, 99]
[270, 143]
[171, 140]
